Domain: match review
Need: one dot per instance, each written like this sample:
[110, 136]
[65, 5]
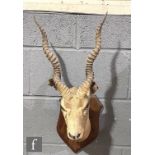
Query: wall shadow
[104, 139]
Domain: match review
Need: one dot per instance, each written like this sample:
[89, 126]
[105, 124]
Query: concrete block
[88, 150]
[60, 29]
[111, 71]
[26, 73]
[40, 119]
[41, 114]
[24, 149]
[129, 91]
[117, 133]
[115, 125]
[122, 109]
[115, 110]
[40, 72]
[117, 29]
[121, 133]
[126, 151]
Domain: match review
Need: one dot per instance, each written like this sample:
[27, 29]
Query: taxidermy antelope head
[75, 101]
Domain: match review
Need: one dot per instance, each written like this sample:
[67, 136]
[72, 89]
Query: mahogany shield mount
[94, 112]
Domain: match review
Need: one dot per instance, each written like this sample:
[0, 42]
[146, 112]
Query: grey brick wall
[72, 36]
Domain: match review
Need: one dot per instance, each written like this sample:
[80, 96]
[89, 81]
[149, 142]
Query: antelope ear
[51, 83]
[94, 87]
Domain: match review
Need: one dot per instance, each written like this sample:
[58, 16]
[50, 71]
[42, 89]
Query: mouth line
[76, 140]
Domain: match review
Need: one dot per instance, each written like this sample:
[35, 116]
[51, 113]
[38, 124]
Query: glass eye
[86, 109]
[85, 112]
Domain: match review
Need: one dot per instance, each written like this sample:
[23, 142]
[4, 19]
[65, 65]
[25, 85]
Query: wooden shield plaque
[94, 112]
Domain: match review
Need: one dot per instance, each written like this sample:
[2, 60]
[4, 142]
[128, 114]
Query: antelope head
[74, 101]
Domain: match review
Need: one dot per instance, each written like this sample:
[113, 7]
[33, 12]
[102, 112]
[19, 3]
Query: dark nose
[75, 136]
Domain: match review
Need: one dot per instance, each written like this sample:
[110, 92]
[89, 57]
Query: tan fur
[76, 115]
